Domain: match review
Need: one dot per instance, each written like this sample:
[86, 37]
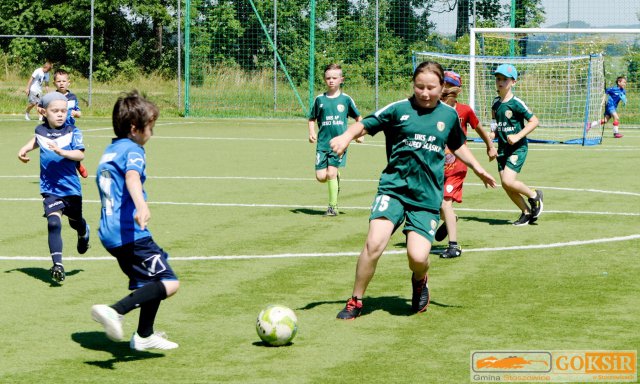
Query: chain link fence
[249, 58]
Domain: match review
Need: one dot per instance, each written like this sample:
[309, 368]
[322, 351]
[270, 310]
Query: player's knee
[54, 224]
[171, 286]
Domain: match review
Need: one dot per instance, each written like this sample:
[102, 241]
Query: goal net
[565, 93]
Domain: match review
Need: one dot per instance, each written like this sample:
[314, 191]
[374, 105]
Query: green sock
[333, 192]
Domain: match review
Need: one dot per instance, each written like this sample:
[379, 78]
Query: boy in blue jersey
[61, 147]
[331, 110]
[509, 114]
[615, 95]
[123, 226]
[62, 82]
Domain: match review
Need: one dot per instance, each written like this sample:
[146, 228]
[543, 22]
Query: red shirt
[452, 164]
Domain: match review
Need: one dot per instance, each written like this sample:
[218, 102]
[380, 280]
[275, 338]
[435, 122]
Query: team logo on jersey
[509, 114]
[440, 126]
[340, 108]
[404, 118]
[513, 159]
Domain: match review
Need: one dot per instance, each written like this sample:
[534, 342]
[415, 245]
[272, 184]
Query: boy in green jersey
[508, 113]
[410, 189]
[331, 110]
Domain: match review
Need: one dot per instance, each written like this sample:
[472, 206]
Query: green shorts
[324, 159]
[515, 161]
[419, 220]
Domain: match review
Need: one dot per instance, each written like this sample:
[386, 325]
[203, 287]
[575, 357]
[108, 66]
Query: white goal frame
[474, 31]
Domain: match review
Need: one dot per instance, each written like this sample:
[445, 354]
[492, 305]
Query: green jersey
[415, 140]
[332, 115]
[510, 117]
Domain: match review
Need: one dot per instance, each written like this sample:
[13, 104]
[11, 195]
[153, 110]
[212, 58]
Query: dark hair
[332, 66]
[620, 78]
[131, 109]
[429, 66]
[450, 95]
[60, 72]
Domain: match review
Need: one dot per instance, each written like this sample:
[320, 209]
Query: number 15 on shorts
[381, 203]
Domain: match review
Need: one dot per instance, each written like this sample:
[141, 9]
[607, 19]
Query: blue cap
[452, 78]
[51, 96]
[507, 70]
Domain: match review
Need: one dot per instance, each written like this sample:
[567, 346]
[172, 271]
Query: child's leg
[449, 217]
[149, 310]
[380, 231]
[418, 248]
[332, 181]
[515, 189]
[54, 227]
[616, 125]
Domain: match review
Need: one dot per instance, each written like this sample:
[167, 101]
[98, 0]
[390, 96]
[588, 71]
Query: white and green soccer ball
[277, 325]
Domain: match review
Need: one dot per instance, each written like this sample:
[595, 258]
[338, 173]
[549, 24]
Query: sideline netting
[565, 93]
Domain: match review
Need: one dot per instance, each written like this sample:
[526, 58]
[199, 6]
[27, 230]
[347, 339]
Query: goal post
[565, 93]
[553, 48]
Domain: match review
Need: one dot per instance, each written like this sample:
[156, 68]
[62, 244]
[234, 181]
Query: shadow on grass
[487, 220]
[120, 351]
[43, 274]
[313, 212]
[394, 305]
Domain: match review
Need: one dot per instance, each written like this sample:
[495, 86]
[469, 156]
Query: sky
[597, 13]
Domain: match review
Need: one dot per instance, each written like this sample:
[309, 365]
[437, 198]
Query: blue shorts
[71, 206]
[609, 110]
[143, 261]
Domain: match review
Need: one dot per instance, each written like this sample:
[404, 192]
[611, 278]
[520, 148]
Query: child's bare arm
[340, 143]
[134, 186]
[528, 128]
[28, 147]
[312, 131]
[491, 150]
[73, 154]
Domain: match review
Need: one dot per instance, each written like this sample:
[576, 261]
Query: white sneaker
[26, 117]
[110, 319]
[156, 341]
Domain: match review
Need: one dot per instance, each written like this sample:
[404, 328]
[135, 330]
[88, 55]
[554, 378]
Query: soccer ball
[277, 325]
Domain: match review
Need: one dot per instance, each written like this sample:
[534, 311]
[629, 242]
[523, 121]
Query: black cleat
[451, 252]
[57, 273]
[331, 211]
[522, 220]
[536, 206]
[351, 310]
[420, 298]
[83, 241]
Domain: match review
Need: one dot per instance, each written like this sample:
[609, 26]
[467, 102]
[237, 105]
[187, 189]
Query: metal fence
[265, 58]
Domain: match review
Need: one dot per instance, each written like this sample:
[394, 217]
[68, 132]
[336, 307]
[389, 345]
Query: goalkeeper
[616, 95]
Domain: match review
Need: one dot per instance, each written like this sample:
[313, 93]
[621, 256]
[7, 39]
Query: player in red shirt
[455, 170]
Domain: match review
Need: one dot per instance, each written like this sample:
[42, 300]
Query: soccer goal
[562, 74]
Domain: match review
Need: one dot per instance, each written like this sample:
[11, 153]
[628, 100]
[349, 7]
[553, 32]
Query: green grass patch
[247, 188]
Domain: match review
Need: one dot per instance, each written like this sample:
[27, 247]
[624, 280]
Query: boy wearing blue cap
[509, 113]
[61, 146]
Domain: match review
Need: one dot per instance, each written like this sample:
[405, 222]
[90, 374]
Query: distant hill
[582, 24]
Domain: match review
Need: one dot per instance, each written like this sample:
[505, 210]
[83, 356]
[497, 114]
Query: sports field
[236, 205]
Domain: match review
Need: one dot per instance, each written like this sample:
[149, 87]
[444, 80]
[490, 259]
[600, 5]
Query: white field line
[375, 144]
[301, 206]
[340, 254]
[256, 178]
